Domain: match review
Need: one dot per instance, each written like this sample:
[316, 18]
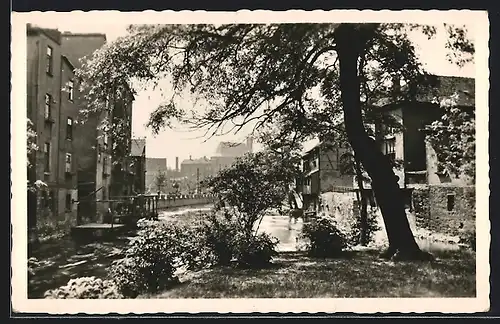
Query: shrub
[219, 232]
[469, 239]
[324, 238]
[86, 287]
[229, 240]
[369, 229]
[33, 265]
[254, 251]
[154, 255]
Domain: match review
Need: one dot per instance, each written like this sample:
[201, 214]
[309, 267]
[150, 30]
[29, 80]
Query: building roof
[79, 46]
[138, 147]
[232, 149]
[446, 87]
[53, 34]
[202, 160]
[66, 59]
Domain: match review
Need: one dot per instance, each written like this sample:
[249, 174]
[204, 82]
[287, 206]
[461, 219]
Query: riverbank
[62, 260]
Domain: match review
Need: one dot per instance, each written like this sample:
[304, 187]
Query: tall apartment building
[74, 159]
[96, 164]
[52, 108]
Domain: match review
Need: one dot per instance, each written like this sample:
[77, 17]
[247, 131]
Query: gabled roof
[138, 147]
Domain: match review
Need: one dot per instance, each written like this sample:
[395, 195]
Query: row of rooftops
[56, 35]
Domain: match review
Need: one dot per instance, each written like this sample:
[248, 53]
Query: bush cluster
[323, 237]
[229, 241]
[369, 229]
[154, 255]
[161, 249]
[86, 288]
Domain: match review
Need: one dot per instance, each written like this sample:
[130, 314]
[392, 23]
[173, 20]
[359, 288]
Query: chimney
[190, 159]
[176, 164]
[250, 144]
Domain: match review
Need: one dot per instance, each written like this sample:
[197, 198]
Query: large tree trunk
[363, 205]
[351, 40]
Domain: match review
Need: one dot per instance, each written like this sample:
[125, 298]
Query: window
[52, 201]
[49, 60]
[46, 151]
[48, 101]
[45, 199]
[450, 202]
[69, 202]
[69, 128]
[390, 130]
[68, 163]
[105, 165]
[70, 90]
[104, 193]
[390, 148]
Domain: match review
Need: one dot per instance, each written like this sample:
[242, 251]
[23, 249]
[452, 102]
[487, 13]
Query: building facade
[227, 152]
[73, 158]
[154, 168]
[322, 172]
[92, 146]
[194, 172]
[138, 164]
[52, 109]
[418, 164]
[97, 165]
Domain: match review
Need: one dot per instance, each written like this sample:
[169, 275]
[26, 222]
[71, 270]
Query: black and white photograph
[250, 161]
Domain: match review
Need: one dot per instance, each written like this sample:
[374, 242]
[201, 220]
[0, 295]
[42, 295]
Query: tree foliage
[31, 149]
[31, 145]
[301, 77]
[160, 180]
[453, 137]
[253, 184]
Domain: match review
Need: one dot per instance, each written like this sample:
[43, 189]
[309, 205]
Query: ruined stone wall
[447, 209]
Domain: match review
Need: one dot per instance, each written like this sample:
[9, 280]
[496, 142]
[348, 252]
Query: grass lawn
[359, 274]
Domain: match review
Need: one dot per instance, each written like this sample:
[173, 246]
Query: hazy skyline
[171, 143]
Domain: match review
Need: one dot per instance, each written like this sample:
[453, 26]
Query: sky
[172, 143]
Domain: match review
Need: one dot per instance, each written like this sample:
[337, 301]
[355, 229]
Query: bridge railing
[166, 201]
